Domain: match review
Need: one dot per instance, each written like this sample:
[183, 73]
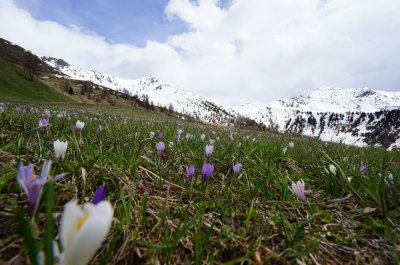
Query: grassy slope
[161, 218]
[15, 87]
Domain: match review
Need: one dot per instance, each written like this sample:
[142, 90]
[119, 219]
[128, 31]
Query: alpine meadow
[199, 132]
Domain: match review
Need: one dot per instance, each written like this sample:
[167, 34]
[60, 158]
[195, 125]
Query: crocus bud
[99, 195]
[236, 169]
[60, 148]
[209, 150]
[284, 150]
[190, 172]
[207, 170]
[363, 169]
[160, 146]
[159, 134]
[389, 182]
[79, 125]
[332, 168]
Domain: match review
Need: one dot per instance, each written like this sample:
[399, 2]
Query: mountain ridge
[356, 116]
[160, 93]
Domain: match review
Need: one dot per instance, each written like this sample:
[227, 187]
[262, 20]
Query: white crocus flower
[349, 179]
[284, 149]
[83, 230]
[79, 125]
[332, 168]
[60, 148]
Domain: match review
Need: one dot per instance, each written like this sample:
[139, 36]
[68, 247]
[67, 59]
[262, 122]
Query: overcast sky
[232, 51]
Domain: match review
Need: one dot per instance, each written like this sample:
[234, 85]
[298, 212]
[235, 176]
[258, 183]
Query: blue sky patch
[122, 21]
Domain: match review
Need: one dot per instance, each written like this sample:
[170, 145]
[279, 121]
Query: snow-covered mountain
[341, 100]
[154, 90]
[357, 116]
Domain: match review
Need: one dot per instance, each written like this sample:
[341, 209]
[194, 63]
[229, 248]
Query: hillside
[14, 86]
[156, 91]
[75, 84]
[50, 85]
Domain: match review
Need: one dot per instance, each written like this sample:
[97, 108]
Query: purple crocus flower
[160, 146]
[209, 149]
[99, 195]
[18, 109]
[207, 170]
[298, 190]
[363, 169]
[44, 123]
[190, 172]
[32, 184]
[389, 182]
[236, 169]
[180, 131]
[159, 133]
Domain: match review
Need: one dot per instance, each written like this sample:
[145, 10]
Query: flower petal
[72, 211]
[23, 175]
[91, 235]
[45, 169]
[59, 176]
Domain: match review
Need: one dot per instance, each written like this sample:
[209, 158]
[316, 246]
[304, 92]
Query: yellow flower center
[35, 176]
[81, 221]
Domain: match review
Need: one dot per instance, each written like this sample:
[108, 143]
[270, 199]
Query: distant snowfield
[327, 113]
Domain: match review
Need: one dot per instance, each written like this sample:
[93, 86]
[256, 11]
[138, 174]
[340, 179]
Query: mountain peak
[55, 62]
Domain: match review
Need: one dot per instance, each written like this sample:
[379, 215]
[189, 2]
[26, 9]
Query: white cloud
[251, 50]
